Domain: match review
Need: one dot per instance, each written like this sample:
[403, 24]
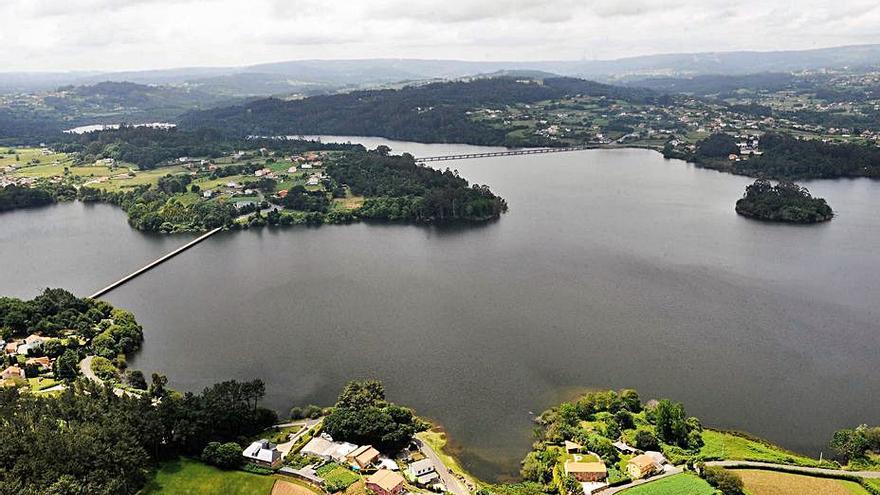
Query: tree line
[785, 157]
[89, 440]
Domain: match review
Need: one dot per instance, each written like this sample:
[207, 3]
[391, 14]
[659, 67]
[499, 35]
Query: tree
[363, 416]
[136, 379]
[646, 440]
[850, 444]
[157, 385]
[67, 365]
[672, 423]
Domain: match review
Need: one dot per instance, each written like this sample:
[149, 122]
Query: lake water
[613, 268]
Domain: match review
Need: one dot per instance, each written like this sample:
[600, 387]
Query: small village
[311, 456]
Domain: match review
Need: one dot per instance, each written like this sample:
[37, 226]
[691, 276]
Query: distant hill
[41, 116]
[328, 75]
[429, 113]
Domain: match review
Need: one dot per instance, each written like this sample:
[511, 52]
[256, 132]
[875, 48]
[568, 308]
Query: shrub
[222, 455]
[103, 368]
[722, 479]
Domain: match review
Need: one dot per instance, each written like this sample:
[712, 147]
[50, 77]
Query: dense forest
[150, 147]
[786, 157]
[13, 197]
[429, 113]
[396, 188]
[89, 440]
[785, 202]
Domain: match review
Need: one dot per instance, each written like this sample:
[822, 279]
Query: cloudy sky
[139, 34]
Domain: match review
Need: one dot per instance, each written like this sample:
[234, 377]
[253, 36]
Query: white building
[263, 453]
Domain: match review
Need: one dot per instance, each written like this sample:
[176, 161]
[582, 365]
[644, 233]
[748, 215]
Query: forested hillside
[430, 113]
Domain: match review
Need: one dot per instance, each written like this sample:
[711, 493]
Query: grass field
[28, 155]
[722, 445]
[761, 482]
[188, 477]
[874, 483]
[679, 484]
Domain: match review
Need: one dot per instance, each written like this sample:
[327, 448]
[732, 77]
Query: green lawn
[679, 484]
[873, 483]
[40, 383]
[723, 445]
[188, 477]
[336, 475]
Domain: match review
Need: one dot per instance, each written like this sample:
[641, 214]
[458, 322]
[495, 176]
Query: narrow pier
[154, 264]
[529, 151]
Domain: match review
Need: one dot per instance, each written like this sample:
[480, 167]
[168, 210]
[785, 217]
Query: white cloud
[136, 34]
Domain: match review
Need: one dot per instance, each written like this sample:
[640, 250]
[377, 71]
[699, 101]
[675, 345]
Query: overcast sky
[53, 35]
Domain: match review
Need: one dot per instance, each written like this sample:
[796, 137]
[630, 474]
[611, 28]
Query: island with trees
[785, 202]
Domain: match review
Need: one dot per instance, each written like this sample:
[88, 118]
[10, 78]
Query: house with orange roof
[385, 482]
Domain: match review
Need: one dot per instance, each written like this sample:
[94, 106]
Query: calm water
[612, 269]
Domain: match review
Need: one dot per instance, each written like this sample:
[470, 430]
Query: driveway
[453, 484]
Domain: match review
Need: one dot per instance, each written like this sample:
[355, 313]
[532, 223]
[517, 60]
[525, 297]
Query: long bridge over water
[439, 158]
[489, 154]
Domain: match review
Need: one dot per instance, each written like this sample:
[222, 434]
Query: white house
[324, 447]
[422, 472]
[263, 453]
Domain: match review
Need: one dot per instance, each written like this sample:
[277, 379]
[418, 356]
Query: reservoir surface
[612, 269]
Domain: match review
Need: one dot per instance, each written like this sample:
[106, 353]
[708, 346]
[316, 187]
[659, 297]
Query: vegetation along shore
[106, 429]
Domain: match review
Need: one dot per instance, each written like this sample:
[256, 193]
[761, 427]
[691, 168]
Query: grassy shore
[437, 439]
[740, 447]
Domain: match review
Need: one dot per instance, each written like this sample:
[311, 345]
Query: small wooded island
[785, 202]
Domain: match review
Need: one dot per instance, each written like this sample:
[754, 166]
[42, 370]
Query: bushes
[311, 411]
[223, 455]
[104, 369]
[725, 480]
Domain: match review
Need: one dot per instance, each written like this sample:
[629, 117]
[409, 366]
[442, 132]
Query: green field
[723, 445]
[679, 484]
[188, 477]
[336, 475]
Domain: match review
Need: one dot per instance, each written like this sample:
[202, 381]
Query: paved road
[453, 484]
[806, 470]
[85, 367]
